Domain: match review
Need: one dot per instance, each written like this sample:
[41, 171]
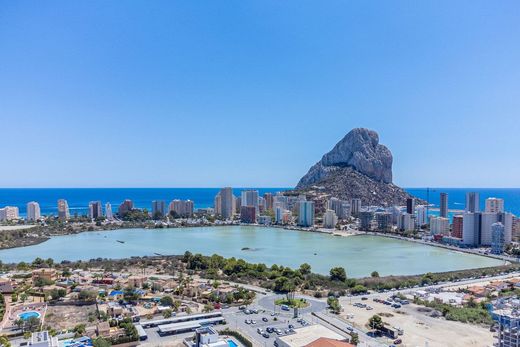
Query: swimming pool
[232, 343]
[29, 314]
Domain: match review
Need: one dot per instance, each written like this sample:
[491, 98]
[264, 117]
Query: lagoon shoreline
[270, 245]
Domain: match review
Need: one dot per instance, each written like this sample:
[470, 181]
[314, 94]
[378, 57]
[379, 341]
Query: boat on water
[120, 241]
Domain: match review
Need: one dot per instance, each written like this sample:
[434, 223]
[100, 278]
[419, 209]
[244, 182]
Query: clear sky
[252, 93]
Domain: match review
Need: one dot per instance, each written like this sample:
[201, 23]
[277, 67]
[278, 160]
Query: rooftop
[306, 335]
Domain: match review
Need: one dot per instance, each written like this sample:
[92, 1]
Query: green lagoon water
[360, 255]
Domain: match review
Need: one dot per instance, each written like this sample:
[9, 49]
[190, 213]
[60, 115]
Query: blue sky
[252, 93]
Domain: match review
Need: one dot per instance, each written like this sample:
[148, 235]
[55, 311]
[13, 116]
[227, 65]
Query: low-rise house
[44, 274]
[478, 291]
[6, 286]
[136, 281]
[103, 329]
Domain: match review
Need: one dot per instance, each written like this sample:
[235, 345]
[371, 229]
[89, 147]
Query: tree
[305, 269]
[32, 324]
[354, 338]
[358, 289]
[334, 305]
[375, 322]
[338, 274]
[167, 313]
[374, 274]
[101, 342]
[166, 301]
[4, 341]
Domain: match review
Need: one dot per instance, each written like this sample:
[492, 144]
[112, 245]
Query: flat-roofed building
[306, 335]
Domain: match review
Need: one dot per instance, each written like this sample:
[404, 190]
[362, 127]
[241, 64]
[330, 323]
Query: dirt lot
[64, 317]
[419, 327]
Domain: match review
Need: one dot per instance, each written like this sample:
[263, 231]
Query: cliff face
[357, 167]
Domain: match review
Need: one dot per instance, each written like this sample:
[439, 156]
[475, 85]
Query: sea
[79, 198]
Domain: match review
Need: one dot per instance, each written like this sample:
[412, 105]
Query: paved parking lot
[236, 321]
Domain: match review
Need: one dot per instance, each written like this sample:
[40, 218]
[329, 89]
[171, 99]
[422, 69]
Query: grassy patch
[298, 303]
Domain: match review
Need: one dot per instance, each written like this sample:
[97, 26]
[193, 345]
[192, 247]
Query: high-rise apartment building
[494, 205]
[226, 203]
[250, 198]
[477, 227]
[406, 222]
[108, 211]
[125, 207]
[472, 202]
[94, 209]
[355, 207]
[456, 230]
[9, 213]
[63, 209]
[330, 219]
[181, 208]
[497, 238]
[268, 201]
[306, 214]
[444, 205]
[383, 221]
[158, 208]
[365, 220]
[410, 205]
[33, 211]
[420, 216]
[439, 226]
[248, 214]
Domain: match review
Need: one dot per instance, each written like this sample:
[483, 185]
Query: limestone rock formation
[357, 167]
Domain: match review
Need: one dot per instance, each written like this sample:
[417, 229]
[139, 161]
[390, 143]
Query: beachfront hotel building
[63, 209]
[444, 205]
[33, 211]
[494, 205]
[9, 213]
[306, 214]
